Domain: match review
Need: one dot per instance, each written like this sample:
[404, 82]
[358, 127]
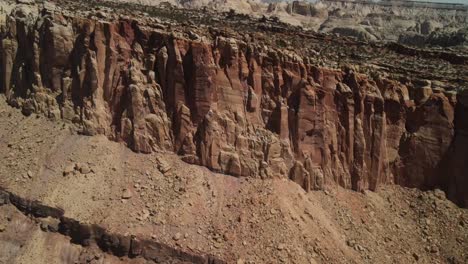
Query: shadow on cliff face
[429, 134]
[434, 151]
[453, 169]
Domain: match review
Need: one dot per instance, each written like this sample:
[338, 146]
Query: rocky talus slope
[53, 220]
[79, 199]
[235, 106]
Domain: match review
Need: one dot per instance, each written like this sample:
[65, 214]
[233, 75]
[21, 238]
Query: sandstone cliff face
[238, 108]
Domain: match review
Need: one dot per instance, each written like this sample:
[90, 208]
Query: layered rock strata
[236, 107]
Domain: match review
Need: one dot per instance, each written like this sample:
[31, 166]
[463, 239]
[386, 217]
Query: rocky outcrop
[92, 235]
[236, 107]
[301, 8]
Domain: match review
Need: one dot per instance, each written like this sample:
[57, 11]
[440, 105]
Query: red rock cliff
[239, 108]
